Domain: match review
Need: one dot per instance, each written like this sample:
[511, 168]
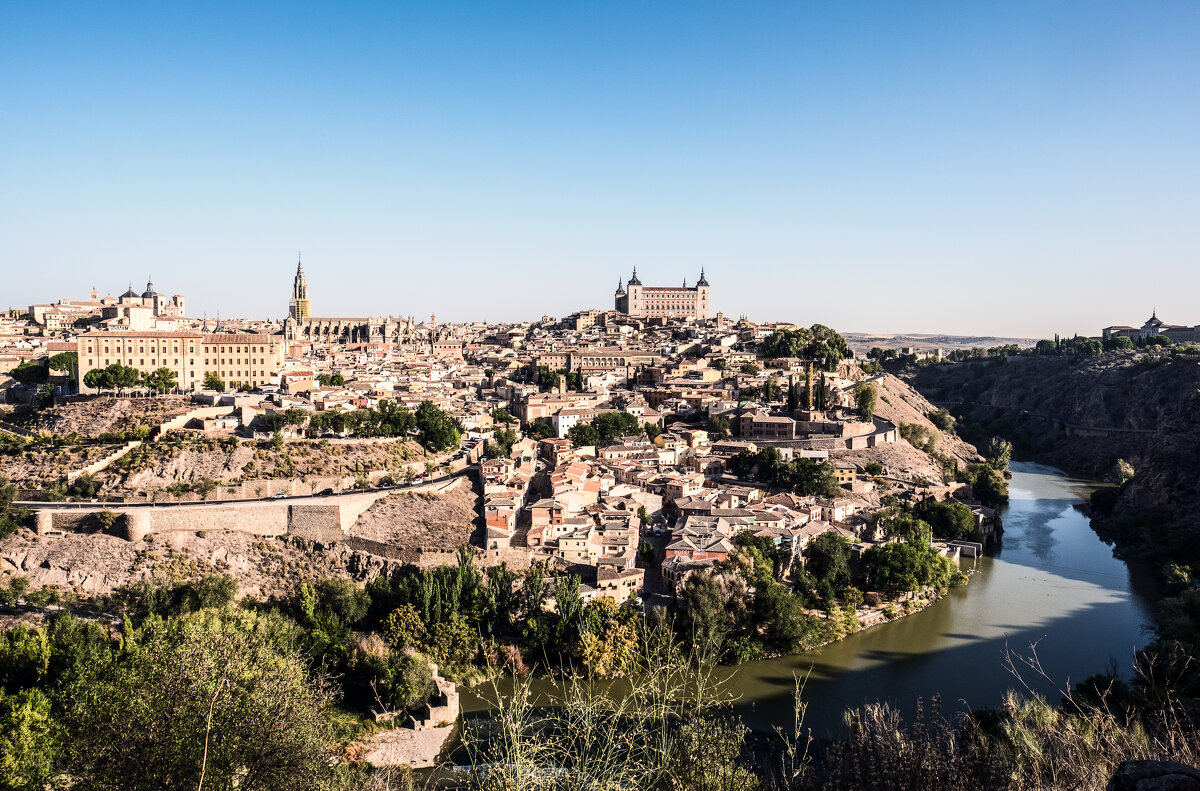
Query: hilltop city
[759, 479]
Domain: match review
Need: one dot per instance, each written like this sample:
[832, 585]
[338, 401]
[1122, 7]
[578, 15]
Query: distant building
[301, 325]
[242, 358]
[664, 302]
[1178, 333]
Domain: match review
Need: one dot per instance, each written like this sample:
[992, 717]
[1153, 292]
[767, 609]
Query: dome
[149, 292]
[130, 293]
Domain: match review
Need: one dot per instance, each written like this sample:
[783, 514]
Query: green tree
[705, 620]
[162, 380]
[28, 748]
[951, 521]
[29, 373]
[547, 379]
[501, 415]
[652, 430]
[409, 679]
[998, 453]
[742, 464]
[500, 445]
[539, 430]
[64, 362]
[213, 382]
[403, 628]
[452, 641]
[827, 559]
[749, 369]
[99, 379]
[208, 695]
[583, 435]
[617, 424]
[436, 430]
[943, 420]
[718, 428]
[864, 398]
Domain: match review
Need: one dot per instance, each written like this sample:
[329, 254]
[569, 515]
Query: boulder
[1154, 776]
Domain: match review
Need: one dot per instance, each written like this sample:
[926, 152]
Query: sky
[990, 168]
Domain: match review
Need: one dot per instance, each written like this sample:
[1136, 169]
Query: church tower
[300, 306]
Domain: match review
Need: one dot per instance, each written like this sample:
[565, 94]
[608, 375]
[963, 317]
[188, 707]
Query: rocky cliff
[1084, 413]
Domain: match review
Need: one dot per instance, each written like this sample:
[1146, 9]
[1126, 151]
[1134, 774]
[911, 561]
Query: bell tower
[300, 306]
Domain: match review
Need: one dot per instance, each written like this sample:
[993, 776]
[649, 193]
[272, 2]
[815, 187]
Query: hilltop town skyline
[958, 169]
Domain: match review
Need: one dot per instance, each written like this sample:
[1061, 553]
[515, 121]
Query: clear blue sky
[968, 167]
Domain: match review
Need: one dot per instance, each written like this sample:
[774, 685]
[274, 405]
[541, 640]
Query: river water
[1052, 583]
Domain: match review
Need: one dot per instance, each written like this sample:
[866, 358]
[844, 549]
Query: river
[1052, 583]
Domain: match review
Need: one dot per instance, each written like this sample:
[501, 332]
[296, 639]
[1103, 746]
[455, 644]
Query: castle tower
[703, 292]
[300, 306]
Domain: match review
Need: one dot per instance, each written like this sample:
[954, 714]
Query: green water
[1052, 583]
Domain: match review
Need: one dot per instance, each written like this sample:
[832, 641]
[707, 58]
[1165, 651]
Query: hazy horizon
[1011, 171]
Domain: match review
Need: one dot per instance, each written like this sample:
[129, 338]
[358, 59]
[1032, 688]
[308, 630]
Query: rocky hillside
[1084, 413]
[405, 529]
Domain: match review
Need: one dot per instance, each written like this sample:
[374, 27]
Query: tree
[213, 382]
[952, 521]
[502, 416]
[817, 342]
[29, 373]
[331, 380]
[546, 378]
[209, 694]
[943, 420]
[66, 362]
[652, 430]
[436, 430]
[718, 428]
[827, 559]
[742, 464]
[1121, 342]
[749, 369]
[409, 679]
[162, 380]
[616, 424]
[98, 379]
[998, 453]
[115, 377]
[583, 435]
[539, 430]
[864, 398]
[452, 641]
[403, 628]
[500, 445]
[27, 744]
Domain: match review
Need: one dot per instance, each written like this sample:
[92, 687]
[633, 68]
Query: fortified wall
[318, 519]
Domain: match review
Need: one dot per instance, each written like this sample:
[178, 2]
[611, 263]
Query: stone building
[242, 358]
[1178, 333]
[302, 325]
[664, 302]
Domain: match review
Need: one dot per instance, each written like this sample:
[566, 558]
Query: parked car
[278, 495]
[324, 492]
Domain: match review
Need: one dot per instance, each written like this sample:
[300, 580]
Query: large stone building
[664, 302]
[130, 311]
[1178, 333]
[237, 358]
[301, 325]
